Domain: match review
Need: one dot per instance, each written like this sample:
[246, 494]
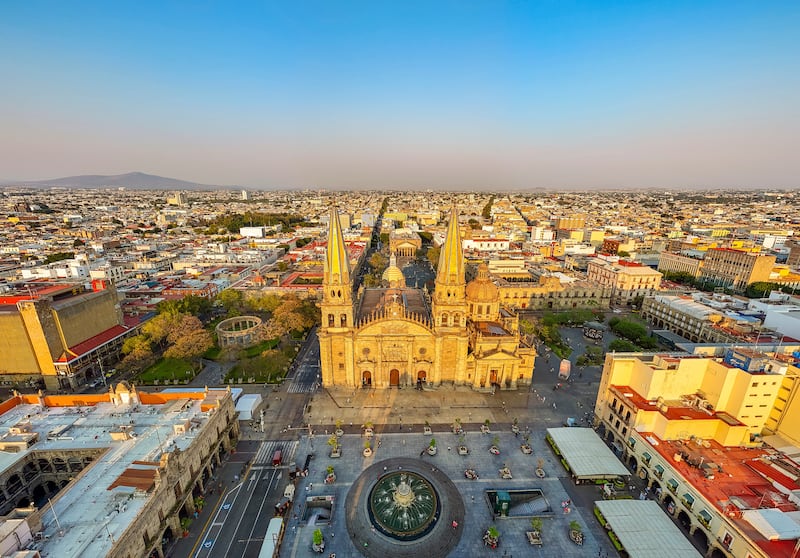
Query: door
[394, 377]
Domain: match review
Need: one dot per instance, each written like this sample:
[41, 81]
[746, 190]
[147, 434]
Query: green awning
[705, 516]
[688, 498]
[659, 469]
[631, 441]
[672, 483]
[647, 457]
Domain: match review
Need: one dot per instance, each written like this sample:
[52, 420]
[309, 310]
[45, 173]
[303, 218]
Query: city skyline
[452, 96]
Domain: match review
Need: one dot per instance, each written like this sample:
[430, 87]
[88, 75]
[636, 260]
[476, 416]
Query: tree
[263, 302]
[760, 289]
[232, 300]
[623, 254]
[474, 224]
[137, 350]
[190, 345]
[486, 213]
[191, 304]
[377, 262]
[433, 255]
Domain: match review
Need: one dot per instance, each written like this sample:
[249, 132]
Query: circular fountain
[404, 508]
[403, 505]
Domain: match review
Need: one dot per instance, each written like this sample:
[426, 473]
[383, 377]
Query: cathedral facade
[396, 336]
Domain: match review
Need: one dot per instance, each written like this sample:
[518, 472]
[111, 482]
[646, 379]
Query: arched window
[343, 320]
[331, 322]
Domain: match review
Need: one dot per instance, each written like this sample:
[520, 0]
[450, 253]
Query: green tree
[377, 262]
[58, 256]
[433, 255]
[487, 209]
[760, 289]
[232, 300]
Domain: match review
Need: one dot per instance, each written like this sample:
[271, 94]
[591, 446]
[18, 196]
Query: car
[94, 384]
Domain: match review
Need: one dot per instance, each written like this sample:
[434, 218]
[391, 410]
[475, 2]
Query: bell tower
[335, 332]
[449, 305]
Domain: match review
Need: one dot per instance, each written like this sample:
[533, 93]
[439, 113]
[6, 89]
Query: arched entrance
[422, 377]
[717, 553]
[669, 504]
[394, 377]
[366, 378]
[684, 520]
[702, 539]
[493, 377]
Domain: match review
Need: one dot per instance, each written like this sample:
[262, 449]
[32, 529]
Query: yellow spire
[451, 258]
[337, 263]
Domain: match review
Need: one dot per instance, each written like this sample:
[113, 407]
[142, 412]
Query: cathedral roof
[375, 300]
[481, 289]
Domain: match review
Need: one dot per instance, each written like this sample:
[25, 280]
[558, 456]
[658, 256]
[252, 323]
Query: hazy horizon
[413, 95]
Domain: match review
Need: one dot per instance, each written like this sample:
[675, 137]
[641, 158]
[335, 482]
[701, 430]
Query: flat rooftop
[102, 500]
[587, 454]
[734, 480]
[660, 539]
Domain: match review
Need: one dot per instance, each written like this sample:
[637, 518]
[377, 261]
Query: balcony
[658, 471]
[704, 517]
[687, 500]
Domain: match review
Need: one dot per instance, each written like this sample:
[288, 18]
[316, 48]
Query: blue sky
[463, 94]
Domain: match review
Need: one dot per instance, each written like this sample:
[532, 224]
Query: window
[646, 457]
[631, 442]
[688, 500]
[672, 485]
[659, 471]
[704, 517]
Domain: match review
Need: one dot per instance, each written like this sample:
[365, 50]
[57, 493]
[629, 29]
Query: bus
[272, 539]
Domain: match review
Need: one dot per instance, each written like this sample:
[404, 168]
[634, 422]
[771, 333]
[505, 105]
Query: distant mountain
[131, 180]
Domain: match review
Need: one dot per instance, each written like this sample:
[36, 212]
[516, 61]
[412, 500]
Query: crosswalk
[267, 449]
[297, 387]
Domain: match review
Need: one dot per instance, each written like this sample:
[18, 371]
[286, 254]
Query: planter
[463, 450]
[185, 534]
[526, 449]
[431, 450]
[368, 432]
[515, 429]
[576, 536]
[505, 473]
[426, 430]
[339, 432]
[336, 452]
[540, 472]
[330, 478]
[485, 429]
[494, 450]
[471, 474]
[367, 452]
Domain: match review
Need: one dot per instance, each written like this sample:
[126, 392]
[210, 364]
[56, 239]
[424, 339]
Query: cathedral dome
[481, 289]
[393, 274]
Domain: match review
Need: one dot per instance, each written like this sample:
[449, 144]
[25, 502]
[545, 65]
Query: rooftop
[129, 437]
[736, 480]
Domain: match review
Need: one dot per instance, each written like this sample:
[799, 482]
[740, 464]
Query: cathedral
[396, 336]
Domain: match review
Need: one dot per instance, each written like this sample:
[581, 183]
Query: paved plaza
[395, 448]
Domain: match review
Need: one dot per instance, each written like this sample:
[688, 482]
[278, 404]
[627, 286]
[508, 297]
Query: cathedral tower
[449, 305]
[335, 333]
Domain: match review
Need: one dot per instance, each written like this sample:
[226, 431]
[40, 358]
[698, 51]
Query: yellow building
[691, 427]
[59, 334]
[735, 268]
[627, 280]
[400, 336]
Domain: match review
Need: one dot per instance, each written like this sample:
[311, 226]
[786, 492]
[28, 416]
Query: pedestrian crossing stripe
[267, 449]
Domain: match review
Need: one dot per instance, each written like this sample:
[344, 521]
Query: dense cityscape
[227, 373]
[399, 279]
